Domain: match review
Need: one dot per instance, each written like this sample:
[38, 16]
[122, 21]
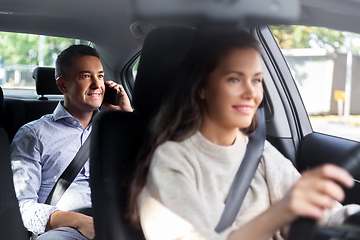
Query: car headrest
[2, 103]
[163, 52]
[45, 81]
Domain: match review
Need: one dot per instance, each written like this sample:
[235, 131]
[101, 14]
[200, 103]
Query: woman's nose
[249, 90]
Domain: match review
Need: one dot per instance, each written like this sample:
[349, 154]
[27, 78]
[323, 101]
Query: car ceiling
[104, 22]
[337, 14]
[107, 22]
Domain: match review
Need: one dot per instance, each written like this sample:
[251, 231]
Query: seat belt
[68, 176]
[245, 174]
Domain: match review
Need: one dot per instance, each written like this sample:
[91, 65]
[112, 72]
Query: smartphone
[111, 95]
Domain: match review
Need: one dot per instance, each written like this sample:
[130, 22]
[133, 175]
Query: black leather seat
[2, 104]
[11, 225]
[21, 111]
[117, 135]
[2, 109]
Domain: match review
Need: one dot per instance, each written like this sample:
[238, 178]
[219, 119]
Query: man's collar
[60, 112]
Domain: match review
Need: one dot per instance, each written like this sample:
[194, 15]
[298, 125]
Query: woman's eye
[233, 80]
[257, 80]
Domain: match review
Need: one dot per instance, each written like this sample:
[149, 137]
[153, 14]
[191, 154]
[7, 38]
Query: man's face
[83, 86]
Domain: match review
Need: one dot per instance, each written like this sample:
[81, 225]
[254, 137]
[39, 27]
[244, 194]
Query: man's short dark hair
[66, 57]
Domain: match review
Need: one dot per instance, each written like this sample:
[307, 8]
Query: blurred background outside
[325, 64]
[21, 53]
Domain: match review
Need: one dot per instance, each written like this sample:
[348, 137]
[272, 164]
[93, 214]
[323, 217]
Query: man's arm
[84, 224]
[26, 167]
[26, 152]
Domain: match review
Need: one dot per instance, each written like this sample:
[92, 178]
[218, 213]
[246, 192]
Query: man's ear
[61, 85]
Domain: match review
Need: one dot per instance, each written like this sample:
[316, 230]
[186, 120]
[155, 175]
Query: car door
[288, 125]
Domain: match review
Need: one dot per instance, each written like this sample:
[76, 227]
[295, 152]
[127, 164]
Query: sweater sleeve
[170, 205]
[281, 175]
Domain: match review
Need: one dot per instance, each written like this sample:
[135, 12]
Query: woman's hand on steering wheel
[316, 191]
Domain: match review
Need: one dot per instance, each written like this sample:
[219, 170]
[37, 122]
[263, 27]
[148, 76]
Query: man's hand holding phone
[115, 97]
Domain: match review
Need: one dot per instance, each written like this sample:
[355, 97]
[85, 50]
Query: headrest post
[42, 97]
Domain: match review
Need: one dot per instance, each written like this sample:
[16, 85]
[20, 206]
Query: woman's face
[233, 90]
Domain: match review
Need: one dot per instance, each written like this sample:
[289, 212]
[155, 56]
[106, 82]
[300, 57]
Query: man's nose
[96, 82]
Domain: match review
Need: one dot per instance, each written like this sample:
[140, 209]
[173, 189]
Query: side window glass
[21, 53]
[325, 64]
[129, 74]
[135, 68]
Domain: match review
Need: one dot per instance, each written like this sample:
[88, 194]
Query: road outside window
[21, 53]
[325, 64]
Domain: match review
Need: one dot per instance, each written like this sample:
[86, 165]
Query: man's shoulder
[35, 125]
[39, 121]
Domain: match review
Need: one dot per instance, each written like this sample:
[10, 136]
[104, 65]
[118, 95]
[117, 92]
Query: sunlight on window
[21, 53]
[324, 63]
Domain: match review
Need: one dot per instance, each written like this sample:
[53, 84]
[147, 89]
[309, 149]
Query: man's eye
[101, 76]
[86, 76]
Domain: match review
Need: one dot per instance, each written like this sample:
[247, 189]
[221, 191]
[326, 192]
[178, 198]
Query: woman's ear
[61, 85]
[202, 94]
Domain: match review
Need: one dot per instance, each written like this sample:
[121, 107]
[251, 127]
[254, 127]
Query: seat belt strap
[245, 174]
[68, 176]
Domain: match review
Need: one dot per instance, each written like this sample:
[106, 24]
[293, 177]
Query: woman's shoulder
[271, 153]
[270, 149]
[170, 147]
[180, 151]
[276, 163]
[191, 144]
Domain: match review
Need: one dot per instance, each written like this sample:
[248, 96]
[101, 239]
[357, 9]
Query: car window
[129, 74]
[21, 53]
[135, 68]
[325, 65]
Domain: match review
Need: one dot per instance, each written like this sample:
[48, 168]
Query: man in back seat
[41, 150]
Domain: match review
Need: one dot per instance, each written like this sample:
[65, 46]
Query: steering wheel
[307, 229]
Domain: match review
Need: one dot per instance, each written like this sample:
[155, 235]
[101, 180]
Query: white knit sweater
[189, 181]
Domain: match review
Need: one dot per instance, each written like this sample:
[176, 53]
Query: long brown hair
[180, 116]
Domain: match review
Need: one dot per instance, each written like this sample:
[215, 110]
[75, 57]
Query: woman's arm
[315, 192]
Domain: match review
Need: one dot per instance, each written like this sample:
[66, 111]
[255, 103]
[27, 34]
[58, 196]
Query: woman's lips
[244, 109]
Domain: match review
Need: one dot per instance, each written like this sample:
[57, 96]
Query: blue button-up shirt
[40, 152]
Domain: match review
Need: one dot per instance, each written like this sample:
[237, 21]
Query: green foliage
[23, 49]
[289, 37]
[18, 48]
[136, 64]
[53, 46]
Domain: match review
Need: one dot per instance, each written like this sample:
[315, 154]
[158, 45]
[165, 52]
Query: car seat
[45, 82]
[2, 108]
[117, 135]
[21, 111]
[2, 104]
[11, 225]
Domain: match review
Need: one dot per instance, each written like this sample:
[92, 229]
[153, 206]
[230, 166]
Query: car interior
[155, 35]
